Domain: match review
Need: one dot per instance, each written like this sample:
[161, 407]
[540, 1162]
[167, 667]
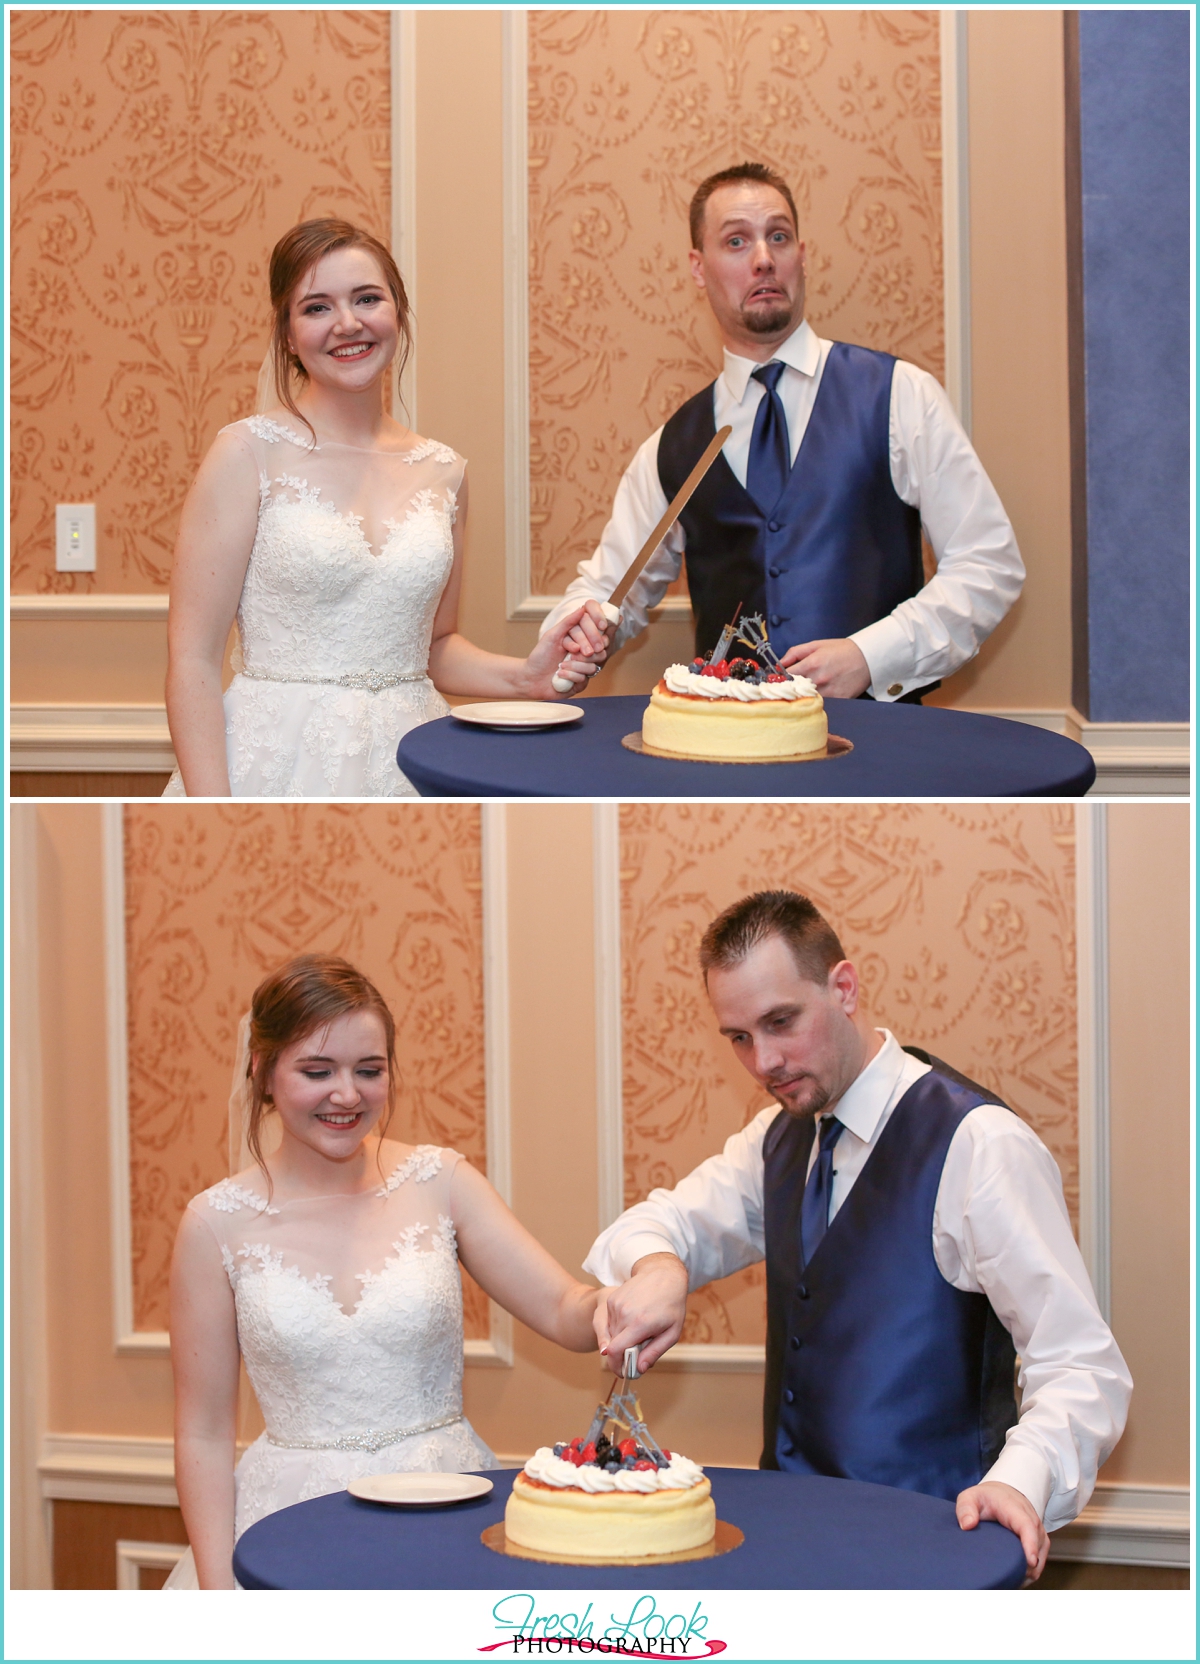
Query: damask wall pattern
[961, 922]
[157, 156]
[628, 112]
[217, 897]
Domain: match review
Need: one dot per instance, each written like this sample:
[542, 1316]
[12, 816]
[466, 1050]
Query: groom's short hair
[754, 173]
[784, 913]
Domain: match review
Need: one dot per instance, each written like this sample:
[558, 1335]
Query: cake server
[612, 607]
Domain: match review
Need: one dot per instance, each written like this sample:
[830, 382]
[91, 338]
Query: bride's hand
[558, 653]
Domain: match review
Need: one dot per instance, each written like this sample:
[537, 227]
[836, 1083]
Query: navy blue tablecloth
[801, 1533]
[899, 751]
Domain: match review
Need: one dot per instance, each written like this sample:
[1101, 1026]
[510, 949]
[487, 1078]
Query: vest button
[776, 620]
[773, 570]
[802, 1291]
[772, 525]
[795, 1343]
[789, 1396]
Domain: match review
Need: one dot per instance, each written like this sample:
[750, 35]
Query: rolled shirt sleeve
[712, 1220]
[1001, 1229]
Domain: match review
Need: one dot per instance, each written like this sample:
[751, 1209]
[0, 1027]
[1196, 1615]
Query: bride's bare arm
[457, 666]
[204, 1358]
[514, 1268]
[216, 534]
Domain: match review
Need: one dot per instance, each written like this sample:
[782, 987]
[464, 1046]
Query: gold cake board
[834, 747]
[726, 1538]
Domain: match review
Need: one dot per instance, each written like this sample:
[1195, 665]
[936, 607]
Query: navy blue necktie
[814, 1209]
[770, 460]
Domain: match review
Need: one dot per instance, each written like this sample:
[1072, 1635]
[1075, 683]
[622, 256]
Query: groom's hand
[993, 1500]
[647, 1311]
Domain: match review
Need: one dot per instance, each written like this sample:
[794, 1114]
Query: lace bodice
[349, 1308]
[352, 552]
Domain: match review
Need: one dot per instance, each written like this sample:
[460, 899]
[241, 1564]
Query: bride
[334, 534]
[331, 1268]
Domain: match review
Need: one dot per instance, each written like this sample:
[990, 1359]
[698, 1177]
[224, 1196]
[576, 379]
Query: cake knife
[612, 607]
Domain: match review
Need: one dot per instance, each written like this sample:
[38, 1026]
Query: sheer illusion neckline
[422, 1162]
[412, 453]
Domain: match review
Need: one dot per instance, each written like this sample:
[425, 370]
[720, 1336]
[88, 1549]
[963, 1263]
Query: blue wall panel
[1134, 110]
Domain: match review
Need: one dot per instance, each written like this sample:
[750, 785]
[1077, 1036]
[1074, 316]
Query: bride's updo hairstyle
[292, 258]
[305, 995]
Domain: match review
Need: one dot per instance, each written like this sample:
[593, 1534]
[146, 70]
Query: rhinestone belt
[370, 1440]
[371, 681]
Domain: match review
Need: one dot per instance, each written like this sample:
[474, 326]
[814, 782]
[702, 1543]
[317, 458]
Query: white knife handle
[613, 614]
[630, 1368]
[561, 684]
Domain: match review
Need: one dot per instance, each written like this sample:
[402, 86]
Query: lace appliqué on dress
[228, 1197]
[425, 1161]
[262, 427]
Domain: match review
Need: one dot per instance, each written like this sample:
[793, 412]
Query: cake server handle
[630, 1367]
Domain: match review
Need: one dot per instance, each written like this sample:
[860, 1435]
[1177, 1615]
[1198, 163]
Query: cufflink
[896, 689]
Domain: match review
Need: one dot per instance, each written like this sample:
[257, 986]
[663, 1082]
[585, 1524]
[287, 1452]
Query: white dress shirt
[1000, 1228]
[934, 469]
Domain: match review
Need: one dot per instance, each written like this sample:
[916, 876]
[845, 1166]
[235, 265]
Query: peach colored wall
[1019, 345]
[628, 112]
[214, 900]
[157, 156]
[1019, 361]
[1152, 1158]
[962, 925]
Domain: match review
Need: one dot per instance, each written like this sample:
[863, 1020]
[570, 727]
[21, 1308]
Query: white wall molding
[715, 1359]
[956, 212]
[515, 164]
[134, 1557]
[404, 179]
[90, 608]
[81, 1467]
[496, 1351]
[1091, 959]
[1130, 1525]
[1133, 759]
[606, 893]
[90, 738]
[26, 1361]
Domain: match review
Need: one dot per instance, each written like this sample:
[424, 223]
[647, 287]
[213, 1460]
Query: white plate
[418, 1489]
[517, 713]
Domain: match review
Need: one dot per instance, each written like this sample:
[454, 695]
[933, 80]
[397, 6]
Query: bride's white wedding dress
[351, 555]
[349, 1317]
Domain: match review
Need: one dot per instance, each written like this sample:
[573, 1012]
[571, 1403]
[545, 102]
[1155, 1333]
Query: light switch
[75, 537]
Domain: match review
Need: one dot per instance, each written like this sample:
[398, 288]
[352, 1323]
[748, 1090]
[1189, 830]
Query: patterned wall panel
[960, 920]
[156, 158]
[628, 111]
[215, 898]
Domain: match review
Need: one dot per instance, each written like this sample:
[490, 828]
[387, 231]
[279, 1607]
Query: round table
[801, 1532]
[899, 751]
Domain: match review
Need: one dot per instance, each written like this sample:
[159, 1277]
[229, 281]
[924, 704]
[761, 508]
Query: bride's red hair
[292, 258]
[302, 996]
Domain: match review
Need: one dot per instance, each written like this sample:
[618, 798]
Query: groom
[812, 515]
[916, 1240]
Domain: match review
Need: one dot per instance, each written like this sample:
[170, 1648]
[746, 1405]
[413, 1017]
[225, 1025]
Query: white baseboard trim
[76, 609]
[95, 739]
[1133, 759]
[1130, 1525]
[1123, 1525]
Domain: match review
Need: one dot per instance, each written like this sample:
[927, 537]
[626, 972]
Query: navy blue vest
[839, 549]
[877, 1368]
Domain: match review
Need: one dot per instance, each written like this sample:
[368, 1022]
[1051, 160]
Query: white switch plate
[75, 537]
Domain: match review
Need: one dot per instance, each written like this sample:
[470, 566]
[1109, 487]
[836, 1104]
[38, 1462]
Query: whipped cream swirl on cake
[681, 678]
[680, 1474]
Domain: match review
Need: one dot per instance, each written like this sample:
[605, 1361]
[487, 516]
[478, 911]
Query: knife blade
[612, 607]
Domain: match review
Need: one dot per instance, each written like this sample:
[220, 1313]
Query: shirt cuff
[1026, 1472]
[889, 655]
[624, 1254]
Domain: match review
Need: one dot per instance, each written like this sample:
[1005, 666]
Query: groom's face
[796, 1036]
